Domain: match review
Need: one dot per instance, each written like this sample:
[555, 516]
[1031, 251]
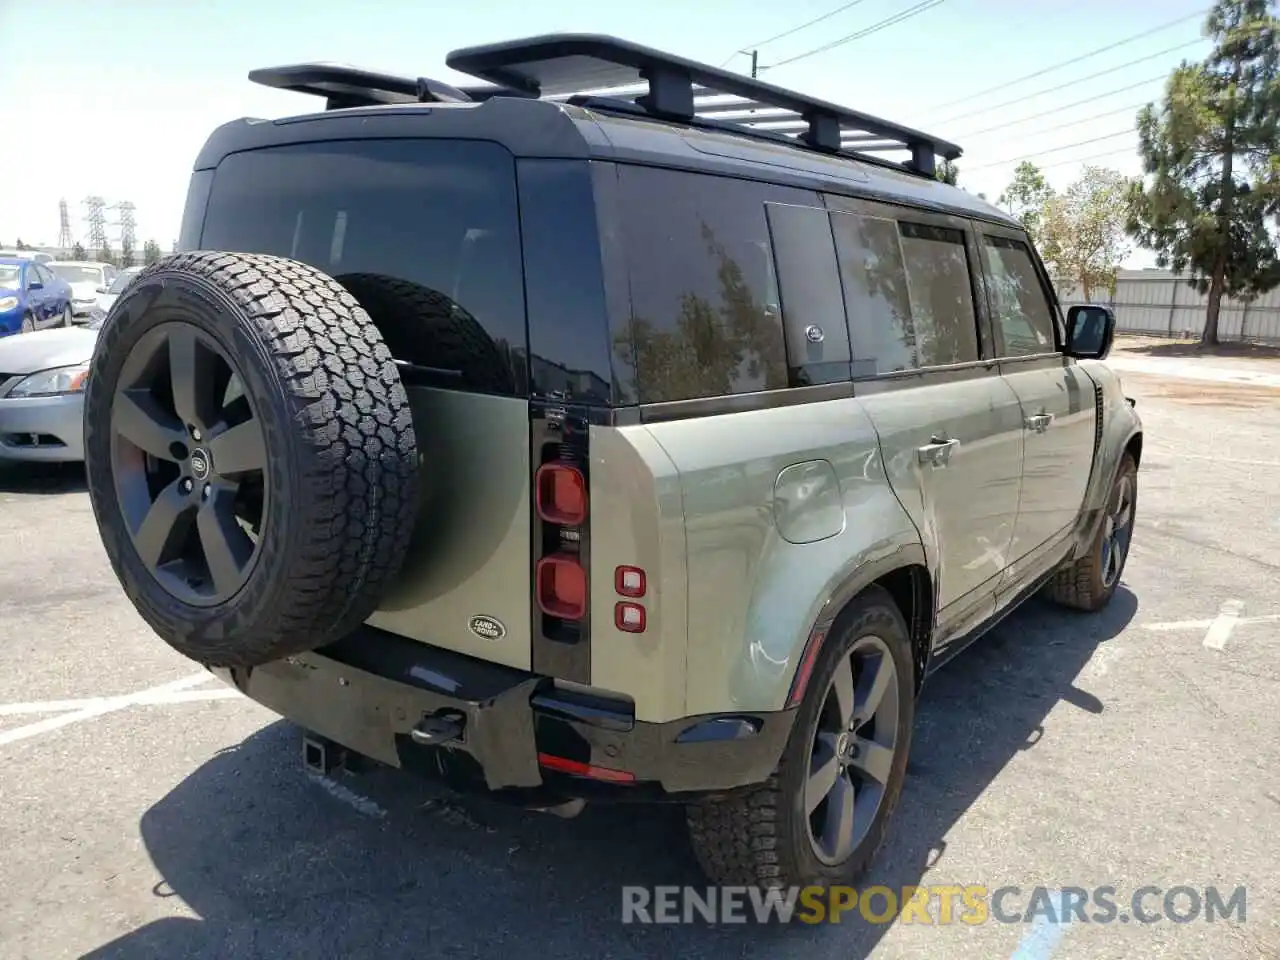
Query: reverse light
[48, 383]
[629, 617]
[629, 582]
[560, 494]
[561, 586]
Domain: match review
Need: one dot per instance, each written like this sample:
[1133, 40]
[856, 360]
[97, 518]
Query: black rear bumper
[520, 733]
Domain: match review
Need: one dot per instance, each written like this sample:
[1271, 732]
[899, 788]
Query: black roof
[576, 95]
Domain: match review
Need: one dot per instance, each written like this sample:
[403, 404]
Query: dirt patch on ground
[1203, 393]
[1161, 347]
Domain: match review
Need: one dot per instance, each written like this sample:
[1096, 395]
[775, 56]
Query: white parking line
[1206, 624]
[1223, 624]
[361, 804]
[77, 711]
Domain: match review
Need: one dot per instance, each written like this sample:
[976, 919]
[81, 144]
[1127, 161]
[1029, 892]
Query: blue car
[31, 297]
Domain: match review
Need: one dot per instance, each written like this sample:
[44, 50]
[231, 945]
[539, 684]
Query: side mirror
[35, 285]
[1090, 332]
[100, 289]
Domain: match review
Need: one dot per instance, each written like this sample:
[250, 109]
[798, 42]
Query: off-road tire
[1079, 584]
[759, 838]
[341, 462]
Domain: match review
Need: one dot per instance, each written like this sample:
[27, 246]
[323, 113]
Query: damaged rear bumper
[408, 704]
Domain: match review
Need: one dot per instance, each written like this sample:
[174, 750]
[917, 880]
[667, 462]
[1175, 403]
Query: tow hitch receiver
[321, 756]
[437, 729]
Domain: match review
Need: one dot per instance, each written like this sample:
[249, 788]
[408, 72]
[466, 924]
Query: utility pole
[755, 62]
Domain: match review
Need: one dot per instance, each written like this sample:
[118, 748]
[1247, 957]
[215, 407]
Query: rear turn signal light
[629, 582]
[561, 585]
[560, 494]
[629, 617]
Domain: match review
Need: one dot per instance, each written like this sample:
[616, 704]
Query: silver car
[42, 380]
[89, 279]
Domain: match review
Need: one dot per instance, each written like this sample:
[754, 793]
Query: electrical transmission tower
[65, 240]
[127, 223]
[96, 218]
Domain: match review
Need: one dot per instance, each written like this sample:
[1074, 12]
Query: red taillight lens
[561, 586]
[629, 617]
[560, 494]
[629, 582]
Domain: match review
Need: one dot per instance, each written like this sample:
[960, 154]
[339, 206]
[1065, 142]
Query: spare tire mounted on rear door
[251, 456]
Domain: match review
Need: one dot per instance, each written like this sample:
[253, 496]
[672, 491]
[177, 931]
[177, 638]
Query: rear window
[424, 234]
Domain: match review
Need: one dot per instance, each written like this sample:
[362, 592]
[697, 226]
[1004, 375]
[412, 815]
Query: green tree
[1211, 153]
[151, 252]
[19, 245]
[126, 253]
[1082, 231]
[948, 172]
[1025, 197]
[78, 251]
[105, 255]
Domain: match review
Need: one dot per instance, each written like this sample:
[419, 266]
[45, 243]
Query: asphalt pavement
[149, 812]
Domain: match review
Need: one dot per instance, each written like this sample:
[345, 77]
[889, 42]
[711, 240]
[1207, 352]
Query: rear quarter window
[424, 233]
[705, 314]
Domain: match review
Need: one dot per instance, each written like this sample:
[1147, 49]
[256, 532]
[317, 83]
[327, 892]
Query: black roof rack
[571, 66]
[346, 86]
[611, 74]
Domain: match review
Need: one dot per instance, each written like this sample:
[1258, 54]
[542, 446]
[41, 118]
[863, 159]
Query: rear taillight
[560, 494]
[561, 586]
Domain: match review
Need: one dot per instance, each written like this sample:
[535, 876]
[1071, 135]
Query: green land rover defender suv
[616, 429]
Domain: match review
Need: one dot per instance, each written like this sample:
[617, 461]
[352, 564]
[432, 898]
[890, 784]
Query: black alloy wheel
[853, 750]
[189, 464]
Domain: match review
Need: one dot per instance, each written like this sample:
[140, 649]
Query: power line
[1096, 156]
[1065, 146]
[1070, 83]
[897, 18]
[1066, 63]
[804, 26]
[1076, 123]
[1065, 106]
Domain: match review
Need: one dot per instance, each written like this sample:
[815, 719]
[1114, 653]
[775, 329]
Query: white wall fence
[1159, 304]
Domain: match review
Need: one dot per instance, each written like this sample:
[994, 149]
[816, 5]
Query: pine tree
[1211, 153]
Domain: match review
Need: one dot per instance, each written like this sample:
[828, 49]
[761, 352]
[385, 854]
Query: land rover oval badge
[487, 628]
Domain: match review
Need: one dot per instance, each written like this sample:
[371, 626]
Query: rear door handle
[1039, 423]
[936, 453]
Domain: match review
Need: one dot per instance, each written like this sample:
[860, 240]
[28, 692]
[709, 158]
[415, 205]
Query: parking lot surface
[149, 812]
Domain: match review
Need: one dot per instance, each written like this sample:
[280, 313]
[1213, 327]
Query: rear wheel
[67, 318]
[823, 814]
[250, 454]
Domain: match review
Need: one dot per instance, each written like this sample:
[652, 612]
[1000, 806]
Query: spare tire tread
[354, 489]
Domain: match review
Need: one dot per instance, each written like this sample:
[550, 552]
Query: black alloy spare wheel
[251, 456]
[189, 464]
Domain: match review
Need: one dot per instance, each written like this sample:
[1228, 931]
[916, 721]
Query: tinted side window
[908, 294]
[423, 233]
[875, 294]
[941, 291]
[705, 317]
[41, 275]
[1019, 306]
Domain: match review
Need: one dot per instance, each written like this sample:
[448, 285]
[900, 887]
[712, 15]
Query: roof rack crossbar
[568, 66]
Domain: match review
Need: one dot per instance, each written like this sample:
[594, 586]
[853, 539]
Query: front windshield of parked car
[122, 281]
[9, 274]
[73, 273]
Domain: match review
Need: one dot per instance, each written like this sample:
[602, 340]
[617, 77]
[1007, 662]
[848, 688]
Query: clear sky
[115, 98]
